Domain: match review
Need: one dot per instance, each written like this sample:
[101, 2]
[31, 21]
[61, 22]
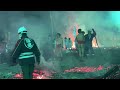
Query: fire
[85, 69]
[70, 34]
[37, 74]
[94, 43]
[73, 45]
[39, 77]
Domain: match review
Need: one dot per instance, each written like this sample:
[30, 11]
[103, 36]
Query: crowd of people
[26, 49]
[83, 44]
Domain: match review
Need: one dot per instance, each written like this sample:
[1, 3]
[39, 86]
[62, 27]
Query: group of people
[84, 42]
[67, 43]
[26, 52]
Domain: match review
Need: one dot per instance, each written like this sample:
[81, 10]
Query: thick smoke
[42, 23]
[101, 21]
[36, 22]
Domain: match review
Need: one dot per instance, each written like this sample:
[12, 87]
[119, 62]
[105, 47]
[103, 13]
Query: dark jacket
[25, 52]
[88, 41]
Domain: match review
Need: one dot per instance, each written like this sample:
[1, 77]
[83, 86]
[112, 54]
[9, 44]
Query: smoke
[101, 21]
[40, 24]
[36, 22]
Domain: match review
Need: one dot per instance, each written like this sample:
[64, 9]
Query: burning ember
[73, 45]
[85, 69]
[37, 74]
[94, 43]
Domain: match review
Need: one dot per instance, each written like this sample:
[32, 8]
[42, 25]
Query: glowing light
[39, 77]
[85, 69]
[73, 45]
[94, 43]
[38, 74]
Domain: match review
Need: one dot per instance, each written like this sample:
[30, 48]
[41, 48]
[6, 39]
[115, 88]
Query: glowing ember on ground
[38, 74]
[18, 76]
[85, 69]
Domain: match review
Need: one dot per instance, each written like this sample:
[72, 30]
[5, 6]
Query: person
[84, 42]
[47, 49]
[69, 44]
[88, 42]
[3, 44]
[80, 39]
[58, 45]
[27, 53]
[65, 42]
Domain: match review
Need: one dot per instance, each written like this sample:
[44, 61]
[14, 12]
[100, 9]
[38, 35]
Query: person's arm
[94, 33]
[16, 51]
[62, 43]
[37, 53]
[76, 39]
[55, 44]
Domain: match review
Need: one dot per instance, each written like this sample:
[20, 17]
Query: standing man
[80, 39]
[65, 42]
[58, 45]
[47, 49]
[27, 52]
[88, 42]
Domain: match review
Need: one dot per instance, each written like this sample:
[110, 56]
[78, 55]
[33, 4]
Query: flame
[37, 74]
[40, 77]
[85, 69]
[70, 35]
[73, 45]
[94, 43]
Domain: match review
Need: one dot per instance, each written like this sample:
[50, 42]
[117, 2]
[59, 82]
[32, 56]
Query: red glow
[84, 69]
[18, 76]
[70, 33]
[38, 74]
[94, 43]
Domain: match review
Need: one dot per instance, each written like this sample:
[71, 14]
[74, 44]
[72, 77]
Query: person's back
[26, 52]
[29, 47]
[80, 37]
[88, 42]
[89, 37]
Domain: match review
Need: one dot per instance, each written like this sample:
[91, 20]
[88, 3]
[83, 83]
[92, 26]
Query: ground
[103, 58]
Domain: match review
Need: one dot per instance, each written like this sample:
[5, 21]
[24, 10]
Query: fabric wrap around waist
[80, 42]
[58, 45]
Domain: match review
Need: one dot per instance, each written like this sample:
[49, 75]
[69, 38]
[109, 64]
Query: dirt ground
[103, 56]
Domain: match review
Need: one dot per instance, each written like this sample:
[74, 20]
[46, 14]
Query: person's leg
[91, 50]
[31, 70]
[86, 49]
[79, 50]
[25, 71]
[82, 49]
